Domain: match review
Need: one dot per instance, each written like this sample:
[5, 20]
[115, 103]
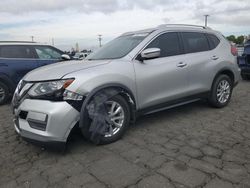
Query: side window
[168, 43]
[213, 41]
[16, 52]
[195, 42]
[46, 52]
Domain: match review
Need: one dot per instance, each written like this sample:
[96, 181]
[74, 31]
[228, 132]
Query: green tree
[231, 38]
[240, 39]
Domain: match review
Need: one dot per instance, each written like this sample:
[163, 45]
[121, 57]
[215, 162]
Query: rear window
[195, 42]
[213, 41]
[16, 52]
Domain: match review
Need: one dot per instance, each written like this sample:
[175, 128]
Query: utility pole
[100, 40]
[32, 38]
[206, 19]
[77, 47]
[53, 42]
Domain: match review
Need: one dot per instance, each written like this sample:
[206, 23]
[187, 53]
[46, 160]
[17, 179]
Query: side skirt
[172, 104]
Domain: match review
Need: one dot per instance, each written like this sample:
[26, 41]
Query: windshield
[118, 47]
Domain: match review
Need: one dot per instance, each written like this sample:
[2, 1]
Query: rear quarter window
[195, 42]
[12, 51]
[213, 41]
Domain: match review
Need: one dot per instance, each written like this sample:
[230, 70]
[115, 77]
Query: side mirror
[150, 53]
[65, 57]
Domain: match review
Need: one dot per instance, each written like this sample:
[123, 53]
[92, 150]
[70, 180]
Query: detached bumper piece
[45, 122]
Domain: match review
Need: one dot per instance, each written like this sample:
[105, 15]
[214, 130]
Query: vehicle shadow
[77, 141]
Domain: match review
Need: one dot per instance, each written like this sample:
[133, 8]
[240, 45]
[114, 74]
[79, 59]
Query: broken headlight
[54, 90]
[69, 95]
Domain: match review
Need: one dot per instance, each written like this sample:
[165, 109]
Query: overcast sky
[71, 21]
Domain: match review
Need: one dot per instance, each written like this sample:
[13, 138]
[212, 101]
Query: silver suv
[137, 73]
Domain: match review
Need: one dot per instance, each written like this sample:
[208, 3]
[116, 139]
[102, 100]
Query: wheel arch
[123, 90]
[227, 72]
[7, 81]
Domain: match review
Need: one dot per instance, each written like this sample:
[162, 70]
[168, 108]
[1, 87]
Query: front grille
[25, 89]
[20, 93]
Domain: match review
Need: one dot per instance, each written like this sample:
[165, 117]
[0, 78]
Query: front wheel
[4, 93]
[221, 91]
[111, 122]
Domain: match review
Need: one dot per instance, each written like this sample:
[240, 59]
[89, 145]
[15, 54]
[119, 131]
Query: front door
[162, 79]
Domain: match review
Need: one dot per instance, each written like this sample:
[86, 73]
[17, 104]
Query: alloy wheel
[2, 93]
[223, 91]
[116, 115]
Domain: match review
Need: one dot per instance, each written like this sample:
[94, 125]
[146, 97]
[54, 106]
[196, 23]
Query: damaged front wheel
[106, 119]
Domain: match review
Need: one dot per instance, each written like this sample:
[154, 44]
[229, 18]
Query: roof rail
[183, 25]
[17, 42]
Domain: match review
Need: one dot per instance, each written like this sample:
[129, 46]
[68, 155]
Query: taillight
[234, 50]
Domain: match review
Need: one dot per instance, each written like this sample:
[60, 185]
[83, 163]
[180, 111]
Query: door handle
[215, 57]
[181, 64]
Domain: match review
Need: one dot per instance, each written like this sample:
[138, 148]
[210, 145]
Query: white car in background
[80, 55]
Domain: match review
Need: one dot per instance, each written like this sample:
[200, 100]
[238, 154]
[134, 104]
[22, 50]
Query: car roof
[21, 43]
[165, 27]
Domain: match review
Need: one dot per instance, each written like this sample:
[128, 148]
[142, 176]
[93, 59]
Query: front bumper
[45, 121]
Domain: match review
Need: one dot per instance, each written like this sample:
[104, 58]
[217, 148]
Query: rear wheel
[119, 115]
[221, 91]
[4, 93]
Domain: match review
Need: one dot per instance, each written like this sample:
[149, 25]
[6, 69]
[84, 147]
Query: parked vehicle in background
[244, 62]
[137, 73]
[18, 58]
[240, 50]
[247, 42]
[80, 55]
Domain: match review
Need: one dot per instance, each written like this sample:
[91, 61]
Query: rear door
[47, 55]
[200, 61]
[16, 61]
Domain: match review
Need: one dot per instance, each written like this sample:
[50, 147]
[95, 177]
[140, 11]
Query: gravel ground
[189, 146]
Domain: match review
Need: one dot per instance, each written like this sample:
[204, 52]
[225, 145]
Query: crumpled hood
[59, 70]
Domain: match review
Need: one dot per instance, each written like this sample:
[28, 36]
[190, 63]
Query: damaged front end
[104, 114]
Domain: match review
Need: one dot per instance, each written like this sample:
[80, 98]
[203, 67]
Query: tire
[111, 138]
[4, 93]
[217, 91]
